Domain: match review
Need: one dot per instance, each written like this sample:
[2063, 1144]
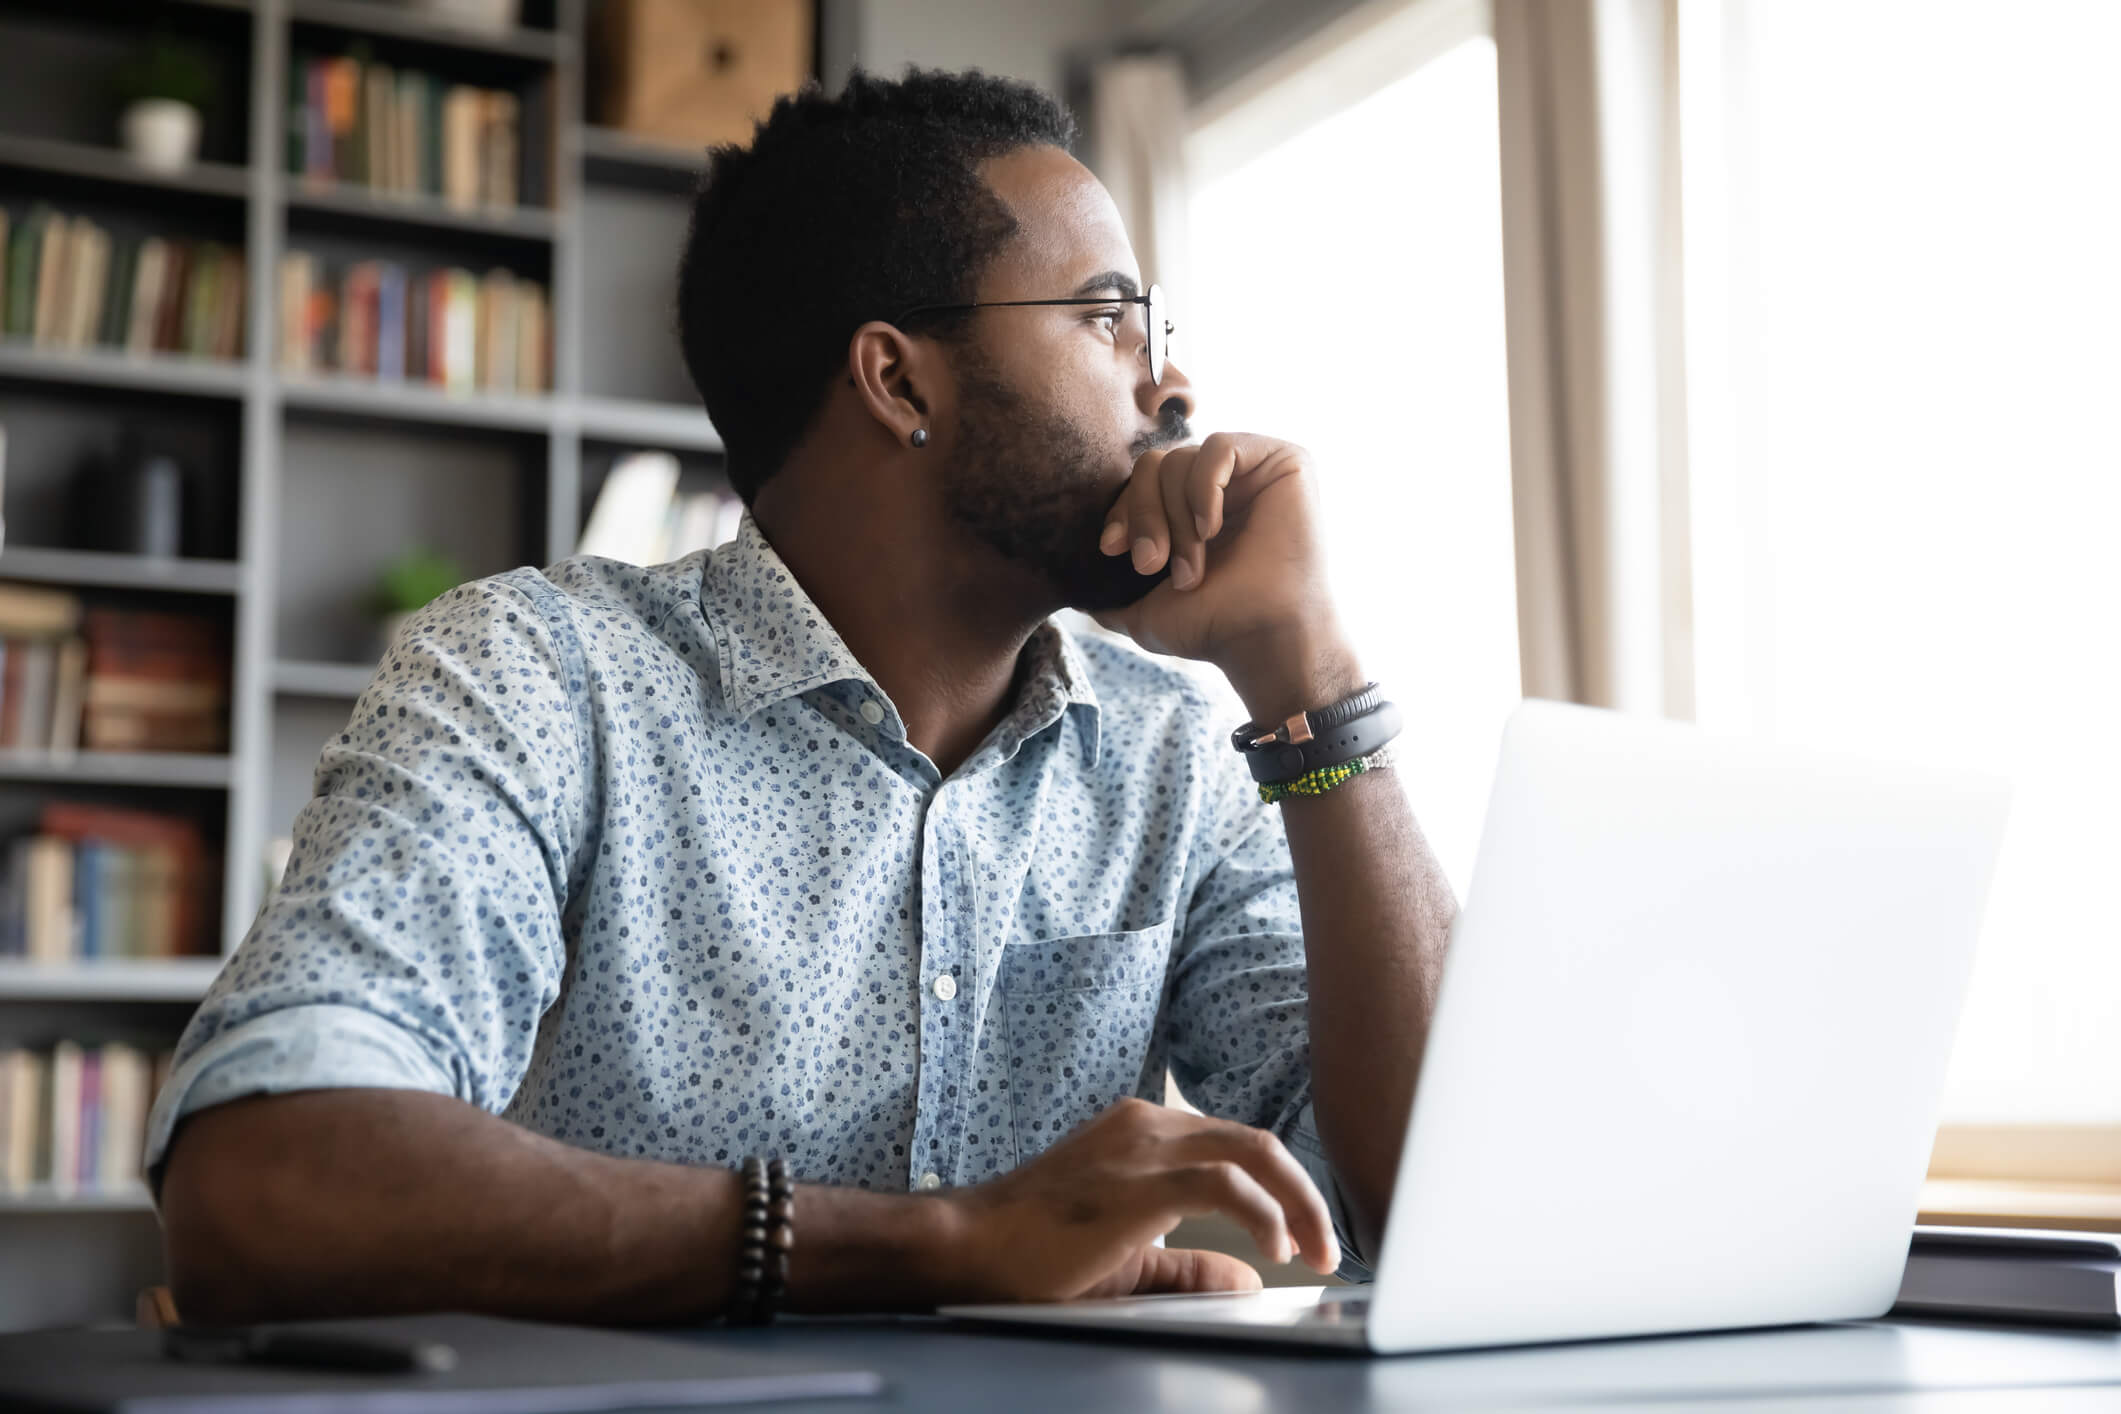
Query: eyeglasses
[1152, 303]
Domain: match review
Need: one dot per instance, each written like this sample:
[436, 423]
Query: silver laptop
[1687, 1058]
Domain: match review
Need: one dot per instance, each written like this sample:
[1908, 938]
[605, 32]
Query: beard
[1031, 485]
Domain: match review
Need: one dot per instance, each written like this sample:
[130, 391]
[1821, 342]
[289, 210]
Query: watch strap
[1359, 736]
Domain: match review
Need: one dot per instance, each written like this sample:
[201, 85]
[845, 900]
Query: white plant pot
[472, 14]
[161, 133]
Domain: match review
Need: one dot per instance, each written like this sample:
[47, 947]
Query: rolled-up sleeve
[415, 938]
[1239, 1014]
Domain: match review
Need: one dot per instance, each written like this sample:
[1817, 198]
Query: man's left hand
[1237, 519]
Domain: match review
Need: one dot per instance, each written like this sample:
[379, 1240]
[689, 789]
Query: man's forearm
[1377, 913]
[356, 1202]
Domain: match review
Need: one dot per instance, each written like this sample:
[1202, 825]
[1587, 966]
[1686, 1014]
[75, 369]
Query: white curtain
[1589, 114]
[1137, 129]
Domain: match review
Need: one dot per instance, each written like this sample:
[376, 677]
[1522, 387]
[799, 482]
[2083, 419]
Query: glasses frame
[1151, 301]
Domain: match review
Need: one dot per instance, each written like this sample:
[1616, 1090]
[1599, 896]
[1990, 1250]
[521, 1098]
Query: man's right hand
[1081, 1220]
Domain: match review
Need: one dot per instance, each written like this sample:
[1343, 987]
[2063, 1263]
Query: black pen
[314, 1350]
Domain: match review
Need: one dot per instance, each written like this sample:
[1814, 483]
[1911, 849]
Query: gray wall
[1025, 39]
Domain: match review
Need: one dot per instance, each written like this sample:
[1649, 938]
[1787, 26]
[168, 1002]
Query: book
[225, 327]
[496, 353]
[64, 1168]
[48, 901]
[25, 249]
[170, 891]
[351, 149]
[627, 520]
[88, 269]
[121, 1138]
[460, 308]
[155, 680]
[88, 1129]
[68, 693]
[379, 106]
[532, 338]
[149, 272]
[55, 240]
[25, 1076]
[408, 114]
[156, 881]
[497, 149]
[27, 611]
[390, 321]
[169, 312]
[2021, 1274]
[417, 326]
[298, 271]
[92, 876]
[202, 288]
[462, 114]
[117, 291]
[39, 673]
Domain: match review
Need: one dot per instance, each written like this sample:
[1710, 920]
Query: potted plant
[408, 584]
[161, 90]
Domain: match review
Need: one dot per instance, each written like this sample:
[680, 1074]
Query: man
[830, 845]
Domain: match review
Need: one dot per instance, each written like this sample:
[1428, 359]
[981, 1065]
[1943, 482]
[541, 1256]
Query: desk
[1872, 1367]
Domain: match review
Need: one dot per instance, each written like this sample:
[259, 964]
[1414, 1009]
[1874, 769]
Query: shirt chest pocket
[1079, 1020]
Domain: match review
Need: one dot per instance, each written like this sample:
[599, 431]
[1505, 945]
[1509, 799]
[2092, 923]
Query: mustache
[1173, 430]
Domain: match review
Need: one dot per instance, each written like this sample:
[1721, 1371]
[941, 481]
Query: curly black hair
[840, 211]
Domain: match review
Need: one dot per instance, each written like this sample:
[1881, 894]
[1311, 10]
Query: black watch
[1354, 726]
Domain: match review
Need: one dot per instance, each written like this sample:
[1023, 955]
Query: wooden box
[695, 72]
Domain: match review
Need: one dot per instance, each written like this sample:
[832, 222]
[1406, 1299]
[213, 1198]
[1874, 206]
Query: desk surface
[1859, 1366]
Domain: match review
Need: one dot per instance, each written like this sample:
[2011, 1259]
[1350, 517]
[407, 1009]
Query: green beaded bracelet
[1323, 779]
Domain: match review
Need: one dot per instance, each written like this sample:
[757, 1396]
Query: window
[1908, 471]
[1345, 293]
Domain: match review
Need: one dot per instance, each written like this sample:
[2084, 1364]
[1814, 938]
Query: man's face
[1055, 403]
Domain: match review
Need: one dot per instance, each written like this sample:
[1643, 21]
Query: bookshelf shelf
[88, 162]
[172, 979]
[119, 571]
[293, 678]
[614, 157]
[189, 374]
[415, 402]
[118, 768]
[611, 145]
[367, 17]
[364, 204]
[43, 1199]
[657, 424]
[308, 482]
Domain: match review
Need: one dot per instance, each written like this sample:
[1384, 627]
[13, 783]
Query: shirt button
[871, 713]
[946, 986]
[931, 1179]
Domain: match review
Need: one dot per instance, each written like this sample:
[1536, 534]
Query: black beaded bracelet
[767, 1235]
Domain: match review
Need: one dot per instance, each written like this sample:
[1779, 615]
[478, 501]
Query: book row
[405, 131]
[109, 679]
[97, 882]
[641, 517]
[447, 326]
[71, 284]
[73, 1118]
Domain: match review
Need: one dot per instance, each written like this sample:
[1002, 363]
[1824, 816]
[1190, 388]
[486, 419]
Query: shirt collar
[772, 642]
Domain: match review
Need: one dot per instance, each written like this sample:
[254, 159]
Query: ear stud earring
[920, 436]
